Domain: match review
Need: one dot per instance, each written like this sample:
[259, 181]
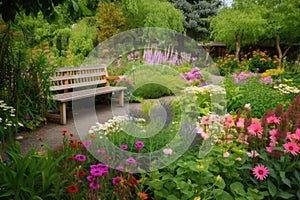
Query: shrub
[259, 94]
[260, 62]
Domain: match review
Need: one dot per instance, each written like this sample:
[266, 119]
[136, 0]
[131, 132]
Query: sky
[228, 2]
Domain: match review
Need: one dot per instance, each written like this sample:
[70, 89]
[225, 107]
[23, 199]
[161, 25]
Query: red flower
[72, 189]
[71, 159]
[82, 173]
[64, 132]
[71, 135]
[133, 181]
[74, 146]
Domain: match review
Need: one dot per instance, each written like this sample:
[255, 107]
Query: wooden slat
[87, 93]
[75, 69]
[76, 85]
[60, 78]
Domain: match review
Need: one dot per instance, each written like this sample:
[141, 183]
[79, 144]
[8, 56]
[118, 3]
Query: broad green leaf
[285, 195]
[272, 188]
[237, 188]
[284, 179]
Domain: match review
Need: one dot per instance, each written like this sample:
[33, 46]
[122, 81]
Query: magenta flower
[124, 147]
[27, 117]
[94, 186]
[260, 172]
[87, 143]
[96, 172]
[117, 180]
[90, 178]
[80, 157]
[131, 160]
[139, 145]
[292, 148]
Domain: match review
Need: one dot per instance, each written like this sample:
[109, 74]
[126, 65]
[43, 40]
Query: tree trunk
[279, 49]
[237, 45]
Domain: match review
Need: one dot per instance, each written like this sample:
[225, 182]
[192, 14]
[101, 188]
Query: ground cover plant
[251, 158]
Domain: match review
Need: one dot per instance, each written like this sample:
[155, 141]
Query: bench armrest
[114, 77]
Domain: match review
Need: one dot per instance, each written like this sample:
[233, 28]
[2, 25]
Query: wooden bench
[86, 82]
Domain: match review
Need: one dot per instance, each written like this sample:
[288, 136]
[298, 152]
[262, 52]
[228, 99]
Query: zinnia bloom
[124, 147]
[94, 186]
[292, 147]
[72, 189]
[260, 172]
[80, 157]
[142, 195]
[139, 145]
[133, 181]
[131, 160]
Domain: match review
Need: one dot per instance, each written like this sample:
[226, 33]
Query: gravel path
[50, 133]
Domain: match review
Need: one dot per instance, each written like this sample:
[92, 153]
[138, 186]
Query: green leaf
[75, 6]
[272, 188]
[171, 197]
[220, 183]
[221, 195]
[237, 188]
[284, 179]
[181, 171]
[285, 195]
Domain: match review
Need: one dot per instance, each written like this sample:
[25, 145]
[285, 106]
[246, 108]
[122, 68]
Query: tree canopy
[196, 16]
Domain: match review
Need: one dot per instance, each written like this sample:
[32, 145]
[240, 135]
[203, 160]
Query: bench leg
[121, 98]
[63, 113]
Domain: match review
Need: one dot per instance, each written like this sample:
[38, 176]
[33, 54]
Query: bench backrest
[78, 77]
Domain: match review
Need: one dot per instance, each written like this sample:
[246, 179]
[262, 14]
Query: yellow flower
[197, 198]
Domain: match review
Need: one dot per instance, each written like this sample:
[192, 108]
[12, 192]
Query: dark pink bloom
[139, 145]
[80, 157]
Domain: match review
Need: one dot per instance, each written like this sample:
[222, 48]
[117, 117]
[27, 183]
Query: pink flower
[253, 129]
[292, 147]
[120, 168]
[96, 172]
[131, 160]
[86, 143]
[248, 106]
[117, 180]
[168, 151]
[139, 145]
[205, 120]
[273, 120]
[124, 147]
[94, 186]
[252, 154]
[238, 159]
[102, 151]
[260, 172]
[226, 155]
[80, 157]
[240, 123]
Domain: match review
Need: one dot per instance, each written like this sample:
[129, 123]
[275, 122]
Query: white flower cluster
[113, 125]
[211, 89]
[7, 114]
[284, 88]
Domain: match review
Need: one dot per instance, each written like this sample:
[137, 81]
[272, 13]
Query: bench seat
[76, 83]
